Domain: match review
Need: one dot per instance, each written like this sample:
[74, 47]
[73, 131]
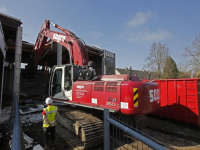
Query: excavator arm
[66, 38]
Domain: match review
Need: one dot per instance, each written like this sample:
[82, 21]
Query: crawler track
[80, 129]
[71, 139]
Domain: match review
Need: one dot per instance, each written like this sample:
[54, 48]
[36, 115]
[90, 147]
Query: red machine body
[180, 100]
[117, 93]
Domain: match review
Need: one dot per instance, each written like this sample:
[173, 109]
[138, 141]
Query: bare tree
[192, 55]
[158, 55]
[184, 72]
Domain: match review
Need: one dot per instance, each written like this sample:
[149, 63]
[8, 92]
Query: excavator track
[71, 139]
[140, 121]
[80, 129]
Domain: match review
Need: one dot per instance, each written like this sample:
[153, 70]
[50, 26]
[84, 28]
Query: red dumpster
[180, 100]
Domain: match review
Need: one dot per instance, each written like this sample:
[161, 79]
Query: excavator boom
[66, 38]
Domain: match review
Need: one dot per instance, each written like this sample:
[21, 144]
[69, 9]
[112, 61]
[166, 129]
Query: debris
[29, 100]
[5, 114]
[31, 118]
[23, 94]
[37, 147]
[1, 138]
[30, 109]
[28, 141]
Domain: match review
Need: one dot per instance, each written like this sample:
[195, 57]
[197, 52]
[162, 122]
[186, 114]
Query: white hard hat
[49, 101]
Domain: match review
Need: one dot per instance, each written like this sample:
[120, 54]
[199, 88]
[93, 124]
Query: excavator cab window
[57, 80]
[68, 79]
[67, 85]
[62, 78]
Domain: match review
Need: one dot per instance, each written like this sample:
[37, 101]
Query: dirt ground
[35, 132]
[177, 135]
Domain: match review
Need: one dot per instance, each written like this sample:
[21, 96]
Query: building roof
[9, 21]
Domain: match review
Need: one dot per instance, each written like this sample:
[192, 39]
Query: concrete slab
[37, 147]
[31, 110]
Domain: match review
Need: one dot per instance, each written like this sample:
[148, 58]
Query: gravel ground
[174, 134]
[32, 127]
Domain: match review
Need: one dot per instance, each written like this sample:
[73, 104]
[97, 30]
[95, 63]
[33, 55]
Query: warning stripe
[135, 97]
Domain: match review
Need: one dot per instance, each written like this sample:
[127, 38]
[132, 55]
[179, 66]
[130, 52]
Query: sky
[126, 27]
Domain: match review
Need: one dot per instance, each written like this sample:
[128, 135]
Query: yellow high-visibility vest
[51, 113]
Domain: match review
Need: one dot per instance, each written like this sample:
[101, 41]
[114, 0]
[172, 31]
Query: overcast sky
[126, 27]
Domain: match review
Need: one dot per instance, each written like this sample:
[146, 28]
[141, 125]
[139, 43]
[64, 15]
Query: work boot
[46, 146]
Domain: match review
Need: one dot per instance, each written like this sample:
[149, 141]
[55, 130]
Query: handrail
[127, 130]
[17, 134]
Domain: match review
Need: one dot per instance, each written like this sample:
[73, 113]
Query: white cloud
[3, 9]
[141, 18]
[143, 34]
[149, 36]
[96, 34]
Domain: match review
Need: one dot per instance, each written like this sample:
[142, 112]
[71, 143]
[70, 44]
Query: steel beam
[59, 54]
[17, 67]
[104, 63]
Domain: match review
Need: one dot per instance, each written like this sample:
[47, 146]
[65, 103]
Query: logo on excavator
[112, 99]
[80, 87]
[154, 95]
[59, 37]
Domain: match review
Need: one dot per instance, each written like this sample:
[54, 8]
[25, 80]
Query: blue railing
[15, 123]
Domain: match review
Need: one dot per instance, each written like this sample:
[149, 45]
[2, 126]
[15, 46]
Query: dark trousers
[49, 132]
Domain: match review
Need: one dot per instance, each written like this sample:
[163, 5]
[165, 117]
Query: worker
[50, 116]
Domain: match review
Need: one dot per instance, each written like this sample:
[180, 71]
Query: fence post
[106, 130]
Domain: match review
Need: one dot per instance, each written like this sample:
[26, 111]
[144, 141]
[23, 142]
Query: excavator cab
[63, 77]
[61, 81]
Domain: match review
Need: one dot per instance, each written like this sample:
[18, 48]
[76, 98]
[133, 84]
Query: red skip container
[180, 100]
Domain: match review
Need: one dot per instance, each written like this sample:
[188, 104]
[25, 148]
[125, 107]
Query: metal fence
[15, 126]
[119, 135]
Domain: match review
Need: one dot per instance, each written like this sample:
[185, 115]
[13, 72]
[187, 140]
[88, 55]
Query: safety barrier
[120, 135]
[15, 123]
